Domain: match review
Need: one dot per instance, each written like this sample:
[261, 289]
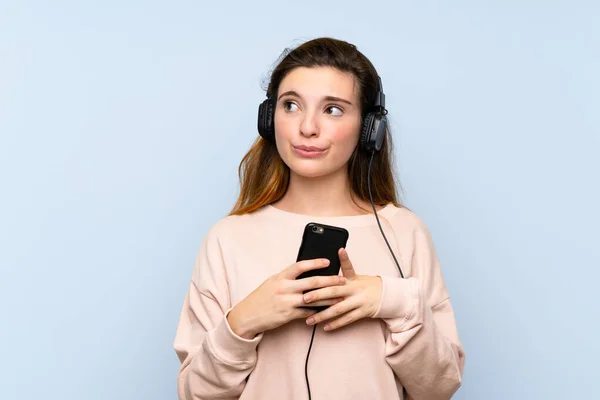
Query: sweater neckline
[344, 220]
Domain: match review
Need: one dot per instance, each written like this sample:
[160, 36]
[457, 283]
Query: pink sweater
[412, 341]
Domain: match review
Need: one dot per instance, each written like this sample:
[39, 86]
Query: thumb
[346, 265]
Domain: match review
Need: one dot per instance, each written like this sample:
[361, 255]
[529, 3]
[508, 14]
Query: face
[317, 120]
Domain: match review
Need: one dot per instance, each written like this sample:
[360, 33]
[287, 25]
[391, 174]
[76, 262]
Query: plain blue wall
[122, 126]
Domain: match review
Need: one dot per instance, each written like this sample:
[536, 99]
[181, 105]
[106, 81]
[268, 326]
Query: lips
[308, 151]
[309, 148]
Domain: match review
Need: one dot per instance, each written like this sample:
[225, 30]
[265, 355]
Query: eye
[288, 106]
[336, 111]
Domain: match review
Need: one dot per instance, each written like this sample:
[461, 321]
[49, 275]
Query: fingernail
[327, 327]
[310, 321]
[307, 297]
[344, 253]
[325, 262]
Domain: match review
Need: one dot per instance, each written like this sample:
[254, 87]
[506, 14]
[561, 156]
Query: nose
[309, 125]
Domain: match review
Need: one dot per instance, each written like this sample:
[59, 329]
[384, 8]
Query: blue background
[122, 125]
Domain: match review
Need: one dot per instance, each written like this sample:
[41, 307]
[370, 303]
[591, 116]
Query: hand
[279, 300]
[361, 293]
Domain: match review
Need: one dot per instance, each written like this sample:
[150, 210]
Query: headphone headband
[380, 97]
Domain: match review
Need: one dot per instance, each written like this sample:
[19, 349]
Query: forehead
[316, 82]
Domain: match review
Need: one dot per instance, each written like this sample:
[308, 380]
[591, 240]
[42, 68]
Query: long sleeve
[215, 362]
[422, 344]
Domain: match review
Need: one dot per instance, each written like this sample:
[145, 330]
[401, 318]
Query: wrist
[398, 298]
[240, 325]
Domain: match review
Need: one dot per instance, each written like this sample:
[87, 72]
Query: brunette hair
[263, 175]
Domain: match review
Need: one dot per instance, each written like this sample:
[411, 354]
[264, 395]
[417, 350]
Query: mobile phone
[322, 241]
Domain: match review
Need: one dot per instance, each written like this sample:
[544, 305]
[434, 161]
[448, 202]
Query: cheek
[282, 127]
[345, 136]
[284, 134]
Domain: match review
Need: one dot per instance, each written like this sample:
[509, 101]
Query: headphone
[373, 130]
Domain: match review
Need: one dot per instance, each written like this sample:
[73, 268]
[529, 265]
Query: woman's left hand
[360, 297]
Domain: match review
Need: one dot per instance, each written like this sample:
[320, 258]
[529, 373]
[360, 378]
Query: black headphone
[373, 131]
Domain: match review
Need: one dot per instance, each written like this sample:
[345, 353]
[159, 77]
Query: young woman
[244, 331]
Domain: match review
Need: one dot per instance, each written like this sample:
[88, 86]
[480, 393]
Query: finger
[334, 311]
[317, 282]
[330, 292]
[345, 319]
[346, 265]
[299, 267]
[326, 302]
[303, 313]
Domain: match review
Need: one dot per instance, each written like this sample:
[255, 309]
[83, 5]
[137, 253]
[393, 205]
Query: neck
[323, 196]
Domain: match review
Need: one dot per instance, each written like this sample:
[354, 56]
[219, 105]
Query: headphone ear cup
[373, 132]
[366, 131]
[265, 120]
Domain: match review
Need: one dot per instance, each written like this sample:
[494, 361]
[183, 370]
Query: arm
[422, 345]
[215, 362]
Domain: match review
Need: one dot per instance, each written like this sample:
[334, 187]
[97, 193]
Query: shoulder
[406, 221]
[231, 228]
[412, 233]
[217, 246]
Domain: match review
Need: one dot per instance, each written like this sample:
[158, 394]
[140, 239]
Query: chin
[311, 169]
[309, 174]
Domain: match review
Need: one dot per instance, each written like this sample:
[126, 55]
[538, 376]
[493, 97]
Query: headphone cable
[312, 338]
[306, 364]
[377, 217]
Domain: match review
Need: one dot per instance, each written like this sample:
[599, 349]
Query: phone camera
[317, 229]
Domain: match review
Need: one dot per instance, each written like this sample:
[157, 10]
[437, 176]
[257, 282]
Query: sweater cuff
[231, 348]
[399, 298]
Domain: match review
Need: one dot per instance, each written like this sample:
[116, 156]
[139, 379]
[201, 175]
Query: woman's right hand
[279, 299]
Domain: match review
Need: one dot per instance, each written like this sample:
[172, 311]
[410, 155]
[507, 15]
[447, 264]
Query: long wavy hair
[264, 177]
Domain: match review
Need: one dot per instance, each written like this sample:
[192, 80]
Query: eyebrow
[326, 98]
